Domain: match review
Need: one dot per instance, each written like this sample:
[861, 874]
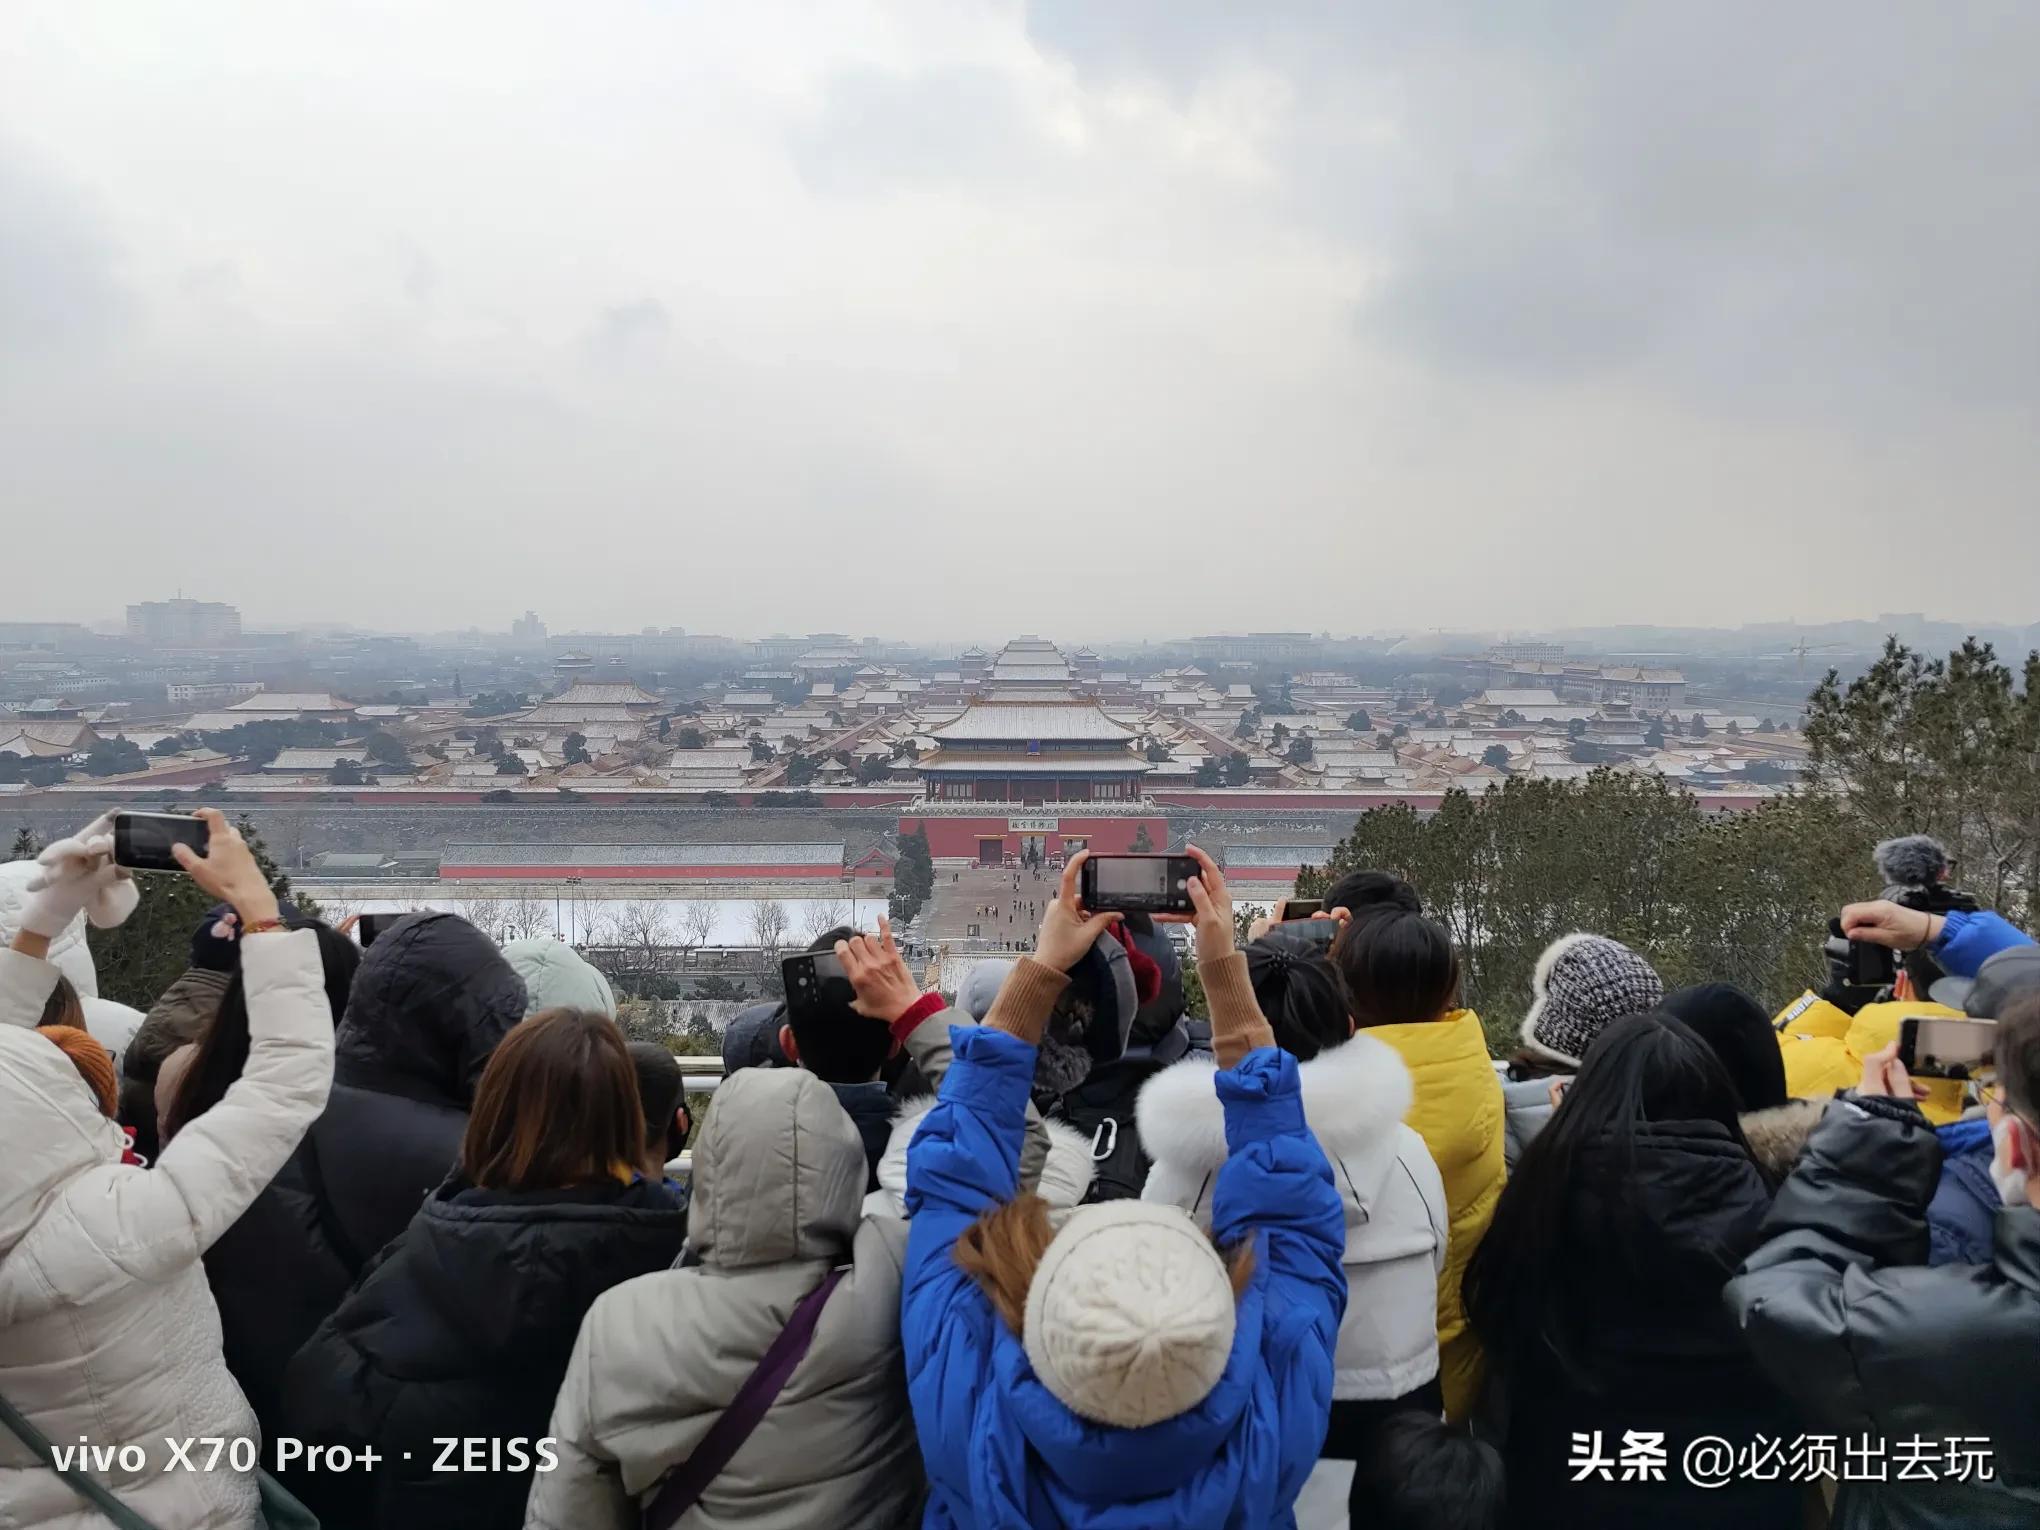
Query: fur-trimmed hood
[1354, 1097]
[1065, 1177]
[1777, 1136]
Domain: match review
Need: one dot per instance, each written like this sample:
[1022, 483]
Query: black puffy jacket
[432, 998]
[1649, 1242]
[1841, 1310]
[463, 1329]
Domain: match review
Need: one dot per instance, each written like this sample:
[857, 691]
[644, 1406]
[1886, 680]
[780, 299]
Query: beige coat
[107, 1326]
[778, 1178]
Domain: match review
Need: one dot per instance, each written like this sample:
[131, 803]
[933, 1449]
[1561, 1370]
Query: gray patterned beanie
[1582, 983]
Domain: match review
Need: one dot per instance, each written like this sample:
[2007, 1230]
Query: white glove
[78, 875]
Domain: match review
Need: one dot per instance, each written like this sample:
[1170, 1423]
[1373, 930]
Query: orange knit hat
[93, 1062]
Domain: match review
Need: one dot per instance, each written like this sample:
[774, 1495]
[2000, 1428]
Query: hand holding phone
[1138, 884]
[148, 841]
[1068, 927]
[228, 869]
[1935, 1047]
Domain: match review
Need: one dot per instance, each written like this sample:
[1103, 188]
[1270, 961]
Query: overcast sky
[949, 319]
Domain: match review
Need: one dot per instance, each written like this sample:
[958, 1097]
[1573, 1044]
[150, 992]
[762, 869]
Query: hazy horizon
[1165, 317]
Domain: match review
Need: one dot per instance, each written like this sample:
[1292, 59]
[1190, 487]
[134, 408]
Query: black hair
[1640, 1069]
[662, 1088]
[1420, 1473]
[1398, 968]
[1358, 890]
[222, 1049]
[1299, 993]
[838, 1045]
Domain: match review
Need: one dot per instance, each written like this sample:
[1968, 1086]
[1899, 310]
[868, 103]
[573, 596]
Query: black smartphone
[368, 926]
[1931, 1047]
[1301, 908]
[815, 985]
[1872, 966]
[142, 841]
[1137, 884]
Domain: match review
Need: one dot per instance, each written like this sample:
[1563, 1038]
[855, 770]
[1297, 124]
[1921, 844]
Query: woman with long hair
[1129, 1367]
[1597, 1293]
[463, 1327]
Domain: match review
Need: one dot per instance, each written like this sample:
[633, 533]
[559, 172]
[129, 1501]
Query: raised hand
[228, 870]
[1067, 932]
[77, 875]
[876, 970]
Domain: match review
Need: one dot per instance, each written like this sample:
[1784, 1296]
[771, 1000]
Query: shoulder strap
[89, 1488]
[685, 1484]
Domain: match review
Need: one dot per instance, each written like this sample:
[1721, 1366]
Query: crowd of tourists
[402, 1236]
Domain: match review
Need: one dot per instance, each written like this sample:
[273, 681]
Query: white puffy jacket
[1354, 1098]
[112, 1025]
[107, 1327]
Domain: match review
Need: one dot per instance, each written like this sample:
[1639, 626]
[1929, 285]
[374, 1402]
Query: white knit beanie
[1130, 1314]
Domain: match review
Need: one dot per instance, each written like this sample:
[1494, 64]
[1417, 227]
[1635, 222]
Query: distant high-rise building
[527, 629]
[183, 621]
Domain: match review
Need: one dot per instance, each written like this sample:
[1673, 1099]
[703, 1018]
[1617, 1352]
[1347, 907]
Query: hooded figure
[778, 1177]
[431, 999]
[112, 1025]
[1738, 1032]
[107, 1331]
[1101, 1107]
[556, 976]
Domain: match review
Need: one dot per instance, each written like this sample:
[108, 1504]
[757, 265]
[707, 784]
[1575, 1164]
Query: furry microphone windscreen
[1912, 860]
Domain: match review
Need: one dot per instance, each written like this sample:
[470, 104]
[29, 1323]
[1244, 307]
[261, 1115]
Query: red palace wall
[957, 838]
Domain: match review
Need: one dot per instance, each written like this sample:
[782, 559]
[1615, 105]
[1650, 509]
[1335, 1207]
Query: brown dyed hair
[1003, 1247]
[63, 1007]
[557, 1106]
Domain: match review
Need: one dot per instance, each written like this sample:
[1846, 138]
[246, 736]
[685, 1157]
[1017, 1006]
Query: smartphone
[1301, 908]
[1872, 966]
[142, 841]
[815, 985]
[1137, 884]
[1936, 1048]
[368, 926]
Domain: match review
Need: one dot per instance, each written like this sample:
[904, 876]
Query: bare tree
[697, 922]
[526, 914]
[823, 914]
[643, 928]
[485, 914]
[768, 929]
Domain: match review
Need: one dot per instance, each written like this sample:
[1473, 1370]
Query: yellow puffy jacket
[1824, 1047]
[1457, 1110]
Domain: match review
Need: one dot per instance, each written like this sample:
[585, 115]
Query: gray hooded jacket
[778, 1178]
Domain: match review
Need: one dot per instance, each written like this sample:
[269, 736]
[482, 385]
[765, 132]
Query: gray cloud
[1108, 319]
[58, 285]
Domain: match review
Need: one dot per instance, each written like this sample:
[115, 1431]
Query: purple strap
[685, 1484]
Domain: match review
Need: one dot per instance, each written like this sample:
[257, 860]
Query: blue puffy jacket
[1962, 1216]
[1969, 940]
[1002, 1452]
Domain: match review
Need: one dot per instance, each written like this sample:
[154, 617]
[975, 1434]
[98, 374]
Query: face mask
[2011, 1183]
